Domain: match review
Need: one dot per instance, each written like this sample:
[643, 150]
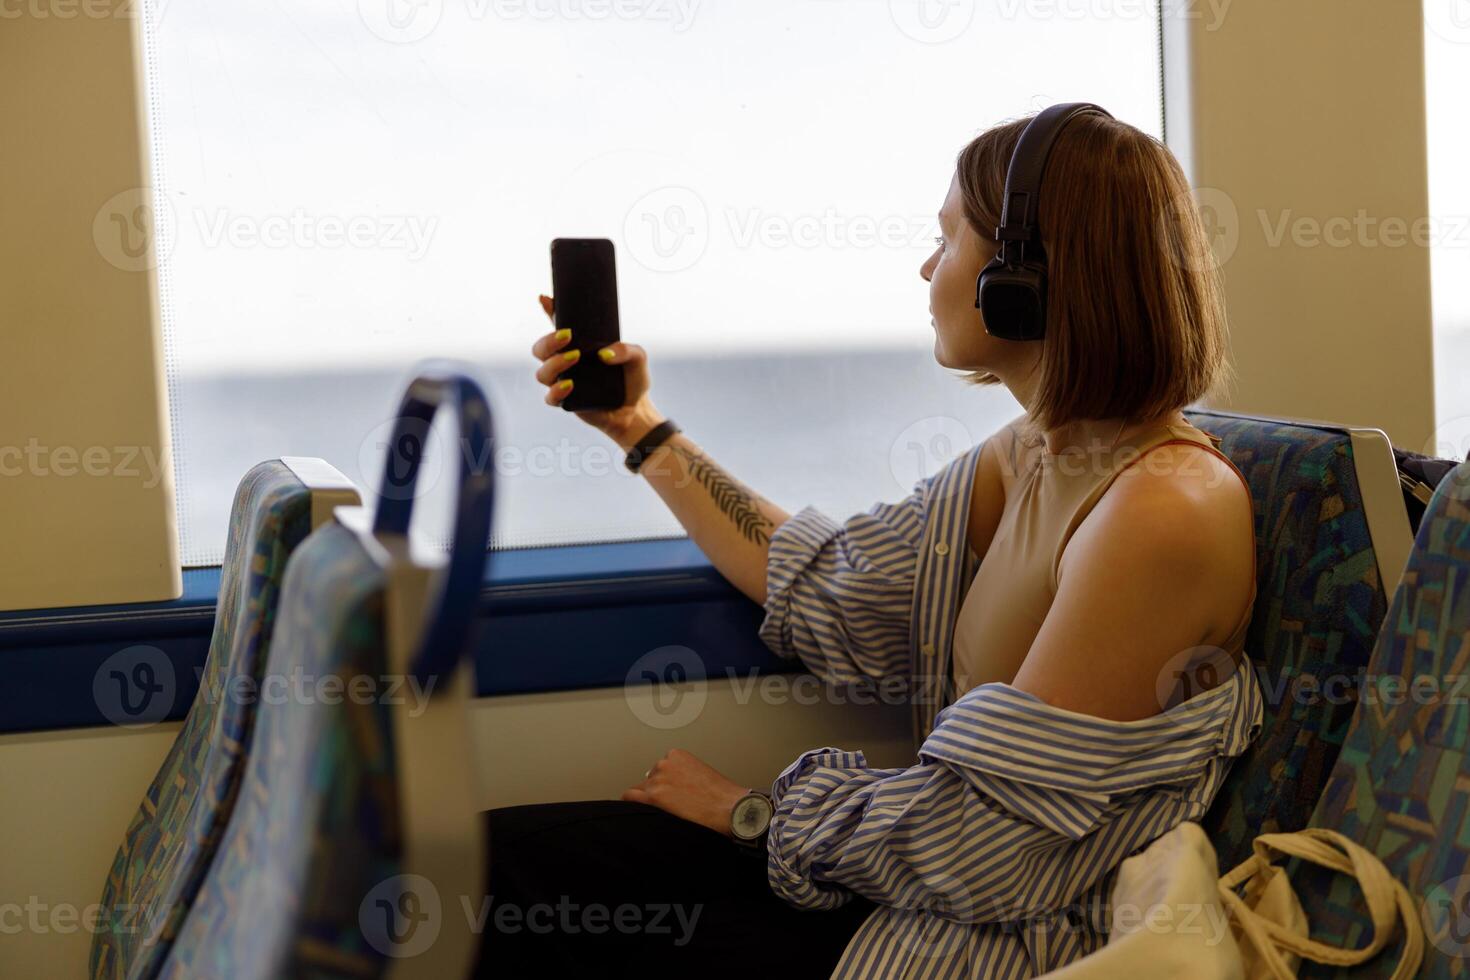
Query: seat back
[172, 837]
[1401, 785]
[1319, 602]
[355, 844]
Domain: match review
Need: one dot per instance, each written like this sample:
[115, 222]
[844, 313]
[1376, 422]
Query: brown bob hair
[1135, 320]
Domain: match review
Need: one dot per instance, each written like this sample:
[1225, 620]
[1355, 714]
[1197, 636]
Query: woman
[1092, 681]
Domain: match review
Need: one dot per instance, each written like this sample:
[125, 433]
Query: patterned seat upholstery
[317, 824]
[355, 835]
[1401, 786]
[1319, 603]
[172, 838]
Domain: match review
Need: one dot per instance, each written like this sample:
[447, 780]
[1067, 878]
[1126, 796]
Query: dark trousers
[607, 888]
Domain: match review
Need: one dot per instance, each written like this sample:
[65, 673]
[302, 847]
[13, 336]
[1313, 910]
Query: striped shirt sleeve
[1014, 807]
[916, 838]
[840, 596]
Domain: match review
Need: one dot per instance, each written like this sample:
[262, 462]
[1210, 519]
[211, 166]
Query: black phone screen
[584, 285]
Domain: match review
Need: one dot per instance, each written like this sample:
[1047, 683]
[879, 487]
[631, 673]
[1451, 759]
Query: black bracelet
[656, 437]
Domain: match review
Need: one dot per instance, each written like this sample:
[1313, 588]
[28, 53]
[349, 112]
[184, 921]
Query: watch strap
[654, 438]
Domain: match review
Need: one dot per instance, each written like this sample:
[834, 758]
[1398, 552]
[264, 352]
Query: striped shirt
[993, 855]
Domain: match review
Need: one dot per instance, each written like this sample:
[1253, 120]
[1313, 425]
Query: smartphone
[584, 286]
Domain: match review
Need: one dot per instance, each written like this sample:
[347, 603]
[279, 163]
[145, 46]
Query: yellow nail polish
[571, 355]
[606, 353]
[565, 384]
[564, 334]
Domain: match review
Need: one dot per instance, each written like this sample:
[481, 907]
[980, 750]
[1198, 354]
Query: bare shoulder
[1160, 567]
[1183, 481]
[1183, 509]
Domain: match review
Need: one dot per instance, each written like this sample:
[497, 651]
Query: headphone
[1011, 291]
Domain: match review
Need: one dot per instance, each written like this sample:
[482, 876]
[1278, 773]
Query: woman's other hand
[686, 786]
[558, 350]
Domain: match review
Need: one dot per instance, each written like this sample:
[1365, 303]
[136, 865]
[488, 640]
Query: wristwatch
[750, 818]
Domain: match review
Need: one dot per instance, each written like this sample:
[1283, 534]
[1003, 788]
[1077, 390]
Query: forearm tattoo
[733, 499]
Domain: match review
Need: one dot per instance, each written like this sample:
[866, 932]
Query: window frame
[562, 618]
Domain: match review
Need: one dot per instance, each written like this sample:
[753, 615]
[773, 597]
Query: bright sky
[378, 180]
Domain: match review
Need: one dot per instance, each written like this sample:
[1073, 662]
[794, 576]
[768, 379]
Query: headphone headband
[1023, 176]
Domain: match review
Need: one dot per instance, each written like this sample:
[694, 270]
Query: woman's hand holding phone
[558, 350]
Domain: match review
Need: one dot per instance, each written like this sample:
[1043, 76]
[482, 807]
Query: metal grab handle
[455, 604]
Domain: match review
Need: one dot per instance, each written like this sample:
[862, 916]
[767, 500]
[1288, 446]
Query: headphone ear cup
[1012, 301]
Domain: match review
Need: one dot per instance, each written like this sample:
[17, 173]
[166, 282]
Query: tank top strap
[1129, 451]
[1171, 432]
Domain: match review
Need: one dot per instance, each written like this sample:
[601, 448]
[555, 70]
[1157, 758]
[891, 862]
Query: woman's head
[1135, 323]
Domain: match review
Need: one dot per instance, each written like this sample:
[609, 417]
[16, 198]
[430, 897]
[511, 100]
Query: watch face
[751, 817]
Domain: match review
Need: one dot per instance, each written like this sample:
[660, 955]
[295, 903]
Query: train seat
[171, 839]
[356, 840]
[1401, 785]
[1331, 530]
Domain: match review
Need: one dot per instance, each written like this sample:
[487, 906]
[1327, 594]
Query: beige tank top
[1046, 500]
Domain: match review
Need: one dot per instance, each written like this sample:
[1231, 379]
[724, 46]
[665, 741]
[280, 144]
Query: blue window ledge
[551, 619]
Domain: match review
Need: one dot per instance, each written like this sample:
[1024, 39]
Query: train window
[1447, 77]
[350, 188]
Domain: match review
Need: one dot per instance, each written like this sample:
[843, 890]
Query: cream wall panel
[86, 492]
[1302, 127]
